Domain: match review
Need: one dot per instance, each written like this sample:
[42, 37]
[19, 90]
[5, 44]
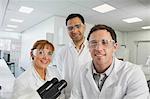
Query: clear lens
[103, 43]
[42, 52]
[77, 26]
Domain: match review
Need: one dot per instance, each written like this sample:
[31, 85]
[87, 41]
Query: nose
[46, 56]
[99, 46]
[74, 29]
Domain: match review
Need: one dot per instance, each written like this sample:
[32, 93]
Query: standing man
[106, 77]
[70, 58]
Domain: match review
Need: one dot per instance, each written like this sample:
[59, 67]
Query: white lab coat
[68, 61]
[126, 81]
[27, 83]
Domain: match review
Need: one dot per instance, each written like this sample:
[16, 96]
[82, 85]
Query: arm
[22, 92]
[137, 86]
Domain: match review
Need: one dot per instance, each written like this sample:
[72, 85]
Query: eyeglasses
[77, 26]
[103, 42]
[42, 52]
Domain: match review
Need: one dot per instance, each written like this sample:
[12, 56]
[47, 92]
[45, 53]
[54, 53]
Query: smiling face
[42, 54]
[76, 29]
[43, 57]
[102, 47]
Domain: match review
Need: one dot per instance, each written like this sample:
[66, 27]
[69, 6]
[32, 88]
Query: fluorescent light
[104, 8]
[9, 29]
[146, 27]
[24, 9]
[132, 20]
[12, 26]
[16, 20]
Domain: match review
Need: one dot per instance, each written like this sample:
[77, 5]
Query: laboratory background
[22, 22]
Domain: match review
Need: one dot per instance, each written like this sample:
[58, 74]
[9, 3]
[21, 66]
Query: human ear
[31, 54]
[116, 47]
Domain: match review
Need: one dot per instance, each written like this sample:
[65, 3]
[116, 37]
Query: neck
[101, 68]
[41, 72]
[79, 43]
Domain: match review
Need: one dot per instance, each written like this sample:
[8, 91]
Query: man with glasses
[106, 77]
[72, 56]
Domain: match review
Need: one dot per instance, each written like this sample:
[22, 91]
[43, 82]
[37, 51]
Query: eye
[78, 26]
[50, 53]
[40, 52]
[93, 43]
[70, 28]
[104, 42]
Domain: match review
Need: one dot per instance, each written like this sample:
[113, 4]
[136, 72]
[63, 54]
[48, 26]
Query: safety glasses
[42, 52]
[77, 26]
[103, 43]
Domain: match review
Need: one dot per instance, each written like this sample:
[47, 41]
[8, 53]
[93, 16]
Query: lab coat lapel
[38, 81]
[113, 77]
[90, 78]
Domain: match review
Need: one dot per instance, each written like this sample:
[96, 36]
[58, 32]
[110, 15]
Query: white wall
[132, 37]
[61, 36]
[10, 35]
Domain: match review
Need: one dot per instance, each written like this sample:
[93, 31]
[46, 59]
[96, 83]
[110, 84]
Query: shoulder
[132, 67]
[126, 66]
[129, 71]
[134, 79]
[23, 78]
[62, 50]
[85, 68]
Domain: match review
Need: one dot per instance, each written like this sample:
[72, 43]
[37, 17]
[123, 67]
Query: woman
[27, 83]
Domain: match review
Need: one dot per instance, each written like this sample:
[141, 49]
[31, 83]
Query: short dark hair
[103, 27]
[73, 15]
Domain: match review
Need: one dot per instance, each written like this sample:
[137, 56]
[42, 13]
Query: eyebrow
[75, 24]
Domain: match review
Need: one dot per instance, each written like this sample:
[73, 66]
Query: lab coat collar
[89, 76]
[39, 81]
[71, 44]
[107, 72]
[111, 79]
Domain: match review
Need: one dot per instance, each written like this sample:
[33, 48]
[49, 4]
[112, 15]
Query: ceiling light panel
[104, 8]
[132, 20]
[9, 29]
[12, 26]
[146, 27]
[24, 9]
[16, 20]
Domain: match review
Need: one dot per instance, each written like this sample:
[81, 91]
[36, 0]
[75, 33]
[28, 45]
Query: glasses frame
[102, 42]
[41, 53]
[71, 28]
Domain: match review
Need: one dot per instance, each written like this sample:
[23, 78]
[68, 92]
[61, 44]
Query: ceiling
[44, 9]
